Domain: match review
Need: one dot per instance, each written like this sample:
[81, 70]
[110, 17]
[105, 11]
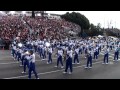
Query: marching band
[69, 51]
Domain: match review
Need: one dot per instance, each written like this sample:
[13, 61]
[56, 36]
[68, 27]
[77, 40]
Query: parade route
[10, 69]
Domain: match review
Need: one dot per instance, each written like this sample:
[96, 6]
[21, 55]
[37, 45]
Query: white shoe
[78, 63]
[90, 67]
[32, 72]
[47, 62]
[73, 63]
[56, 66]
[113, 60]
[43, 59]
[106, 63]
[64, 72]
[21, 65]
[62, 66]
[86, 67]
[38, 78]
[69, 73]
[23, 72]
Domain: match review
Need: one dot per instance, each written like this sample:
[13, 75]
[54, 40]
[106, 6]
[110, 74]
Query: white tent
[100, 36]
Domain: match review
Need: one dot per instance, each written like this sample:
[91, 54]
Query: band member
[80, 49]
[19, 54]
[89, 59]
[22, 57]
[59, 59]
[99, 47]
[106, 55]
[76, 55]
[32, 65]
[40, 50]
[26, 61]
[65, 53]
[49, 55]
[116, 53]
[44, 52]
[111, 46]
[69, 61]
[95, 53]
[14, 51]
[35, 45]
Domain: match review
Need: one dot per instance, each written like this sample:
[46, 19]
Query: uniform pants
[76, 58]
[32, 68]
[116, 55]
[106, 58]
[69, 64]
[59, 60]
[89, 61]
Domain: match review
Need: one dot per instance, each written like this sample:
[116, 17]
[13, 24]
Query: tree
[94, 30]
[77, 18]
[99, 26]
[110, 33]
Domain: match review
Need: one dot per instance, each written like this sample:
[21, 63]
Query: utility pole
[33, 14]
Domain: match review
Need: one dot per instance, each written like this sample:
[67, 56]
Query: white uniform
[60, 52]
[50, 50]
[27, 57]
[14, 47]
[32, 58]
[36, 43]
[77, 50]
[70, 53]
[106, 50]
[116, 49]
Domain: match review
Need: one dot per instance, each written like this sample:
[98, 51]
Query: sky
[105, 18]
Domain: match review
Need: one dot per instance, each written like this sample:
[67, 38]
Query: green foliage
[87, 29]
[78, 19]
[110, 33]
[94, 30]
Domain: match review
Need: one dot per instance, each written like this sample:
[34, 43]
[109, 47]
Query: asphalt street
[10, 69]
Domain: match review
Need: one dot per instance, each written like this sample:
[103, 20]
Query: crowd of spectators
[42, 28]
[12, 26]
[50, 28]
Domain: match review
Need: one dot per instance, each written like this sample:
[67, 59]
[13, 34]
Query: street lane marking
[50, 71]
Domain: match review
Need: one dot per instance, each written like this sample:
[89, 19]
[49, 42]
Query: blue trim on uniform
[106, 58]
[89, 61]
[116, 55]
[69, 64]
[32, 68]
[59, 60]
[76, 58]
[49, 57]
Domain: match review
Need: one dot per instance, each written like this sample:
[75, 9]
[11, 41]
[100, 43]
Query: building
[54, 16]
